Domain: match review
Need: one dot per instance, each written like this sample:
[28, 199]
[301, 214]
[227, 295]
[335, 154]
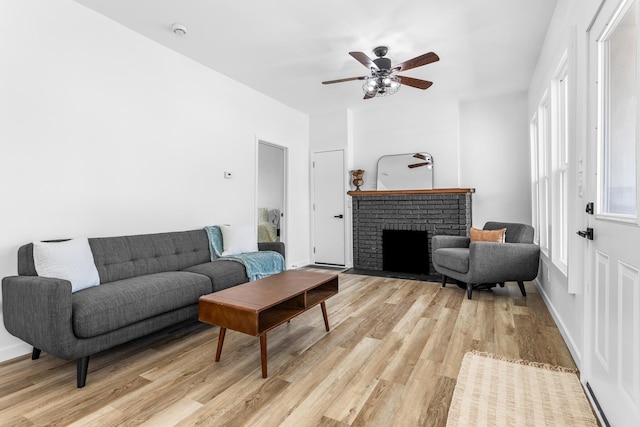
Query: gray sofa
[147, 282]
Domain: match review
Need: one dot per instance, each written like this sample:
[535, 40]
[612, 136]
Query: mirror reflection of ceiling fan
[428, 161]
[384, 79]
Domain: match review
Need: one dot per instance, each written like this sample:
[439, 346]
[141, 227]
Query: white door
[328, 207]
[612, 311]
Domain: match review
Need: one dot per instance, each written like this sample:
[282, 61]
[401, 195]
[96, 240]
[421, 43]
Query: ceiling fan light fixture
[381, 85]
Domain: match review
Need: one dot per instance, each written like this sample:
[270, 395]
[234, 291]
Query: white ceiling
[286, 48]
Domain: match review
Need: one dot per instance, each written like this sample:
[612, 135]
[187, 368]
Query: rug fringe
[524, 362]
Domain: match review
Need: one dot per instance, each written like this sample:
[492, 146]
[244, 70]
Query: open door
[271, 193]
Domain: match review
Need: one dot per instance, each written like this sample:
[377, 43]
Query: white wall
[104, 132]
[392, 127]
[330, 131]
[494, 158]
[570, 16]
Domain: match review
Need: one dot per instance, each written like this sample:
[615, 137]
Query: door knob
[587, 234]
[338, 216]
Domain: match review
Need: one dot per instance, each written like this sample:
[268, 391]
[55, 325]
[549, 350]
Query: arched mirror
[413, 171]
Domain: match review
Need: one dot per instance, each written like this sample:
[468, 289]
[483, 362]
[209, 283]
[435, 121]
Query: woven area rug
[496, 391]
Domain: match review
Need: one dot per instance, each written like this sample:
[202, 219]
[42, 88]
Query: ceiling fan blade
[410, 81]
[420, 156]
[418, 61]
[343, 80]
[364, 60]
[417, 165]
[369, 95]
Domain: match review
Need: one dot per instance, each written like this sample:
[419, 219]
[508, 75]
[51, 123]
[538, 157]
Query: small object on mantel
[401, 192]
[357, 178]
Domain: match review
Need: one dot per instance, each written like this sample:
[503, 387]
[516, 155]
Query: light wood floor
[390, 359]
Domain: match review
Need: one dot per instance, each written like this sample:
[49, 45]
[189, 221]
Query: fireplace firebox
[405, 251]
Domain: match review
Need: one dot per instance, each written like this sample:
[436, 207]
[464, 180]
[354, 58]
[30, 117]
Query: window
[551, 132]
[560, 164]
[543, 167]
[535, 180]
[618, 109]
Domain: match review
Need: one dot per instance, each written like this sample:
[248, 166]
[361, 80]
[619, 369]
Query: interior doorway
[271, 192]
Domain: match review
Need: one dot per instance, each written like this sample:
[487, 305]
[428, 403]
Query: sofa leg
[35, 354]
[469, 290]
[444, 280]
[521, 286]
[82, 368]
[501, 284]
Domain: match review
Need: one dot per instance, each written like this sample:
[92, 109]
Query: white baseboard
[15, 350]
[298, 264]
[573, 349]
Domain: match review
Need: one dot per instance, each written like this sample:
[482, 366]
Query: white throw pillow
[71, 260]
[238, 239]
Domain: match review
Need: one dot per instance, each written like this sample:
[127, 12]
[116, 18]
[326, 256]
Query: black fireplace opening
[405, 251]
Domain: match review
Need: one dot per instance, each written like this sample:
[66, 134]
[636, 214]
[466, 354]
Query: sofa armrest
[499, 262]
[442, 241]
[272, 246]
[38, 310]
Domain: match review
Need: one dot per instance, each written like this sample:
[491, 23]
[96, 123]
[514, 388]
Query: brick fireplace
[444, 211]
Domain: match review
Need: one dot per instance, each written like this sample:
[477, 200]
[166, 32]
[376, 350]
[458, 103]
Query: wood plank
[405, 192]
[390, 358]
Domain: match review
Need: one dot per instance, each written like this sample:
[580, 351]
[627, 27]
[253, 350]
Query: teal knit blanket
[257, 264]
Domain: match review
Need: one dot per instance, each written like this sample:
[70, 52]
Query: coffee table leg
[323, 306]
[220, 342]
[263, 354]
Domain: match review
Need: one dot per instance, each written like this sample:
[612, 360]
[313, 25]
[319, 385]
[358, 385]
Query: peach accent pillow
[496, 236]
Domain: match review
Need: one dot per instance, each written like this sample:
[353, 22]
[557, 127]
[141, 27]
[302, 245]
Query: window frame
[561, 138]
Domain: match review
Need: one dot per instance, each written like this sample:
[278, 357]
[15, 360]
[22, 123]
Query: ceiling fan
[384, 79]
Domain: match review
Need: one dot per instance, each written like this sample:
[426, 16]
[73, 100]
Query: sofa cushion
[119, 258]
[239, 239]
[70, 260]
[110, 306]
[456, 259]
[495, 236]
[222, 273]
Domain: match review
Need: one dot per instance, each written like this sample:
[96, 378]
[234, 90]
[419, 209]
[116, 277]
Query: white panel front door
[612, 353]
[328, 207]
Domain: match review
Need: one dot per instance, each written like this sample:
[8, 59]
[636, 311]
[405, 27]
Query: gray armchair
[485, 264]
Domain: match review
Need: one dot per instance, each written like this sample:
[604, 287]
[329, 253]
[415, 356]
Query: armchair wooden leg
[82, 366]
[521, 286]
[444, 280]
[469, 290]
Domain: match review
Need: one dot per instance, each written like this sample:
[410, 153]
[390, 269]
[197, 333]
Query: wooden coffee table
[257, 307]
